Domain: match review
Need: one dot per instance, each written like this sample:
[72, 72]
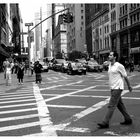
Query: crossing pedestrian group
[19, 69]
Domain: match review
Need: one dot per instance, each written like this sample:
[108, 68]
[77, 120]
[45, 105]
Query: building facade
[60, 38]
[10, 23]
[76, 29]
[126, 39]
[114, 27]
[100, 32]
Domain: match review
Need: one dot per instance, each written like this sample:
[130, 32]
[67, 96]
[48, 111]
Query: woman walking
[8, 75]
[20, 73]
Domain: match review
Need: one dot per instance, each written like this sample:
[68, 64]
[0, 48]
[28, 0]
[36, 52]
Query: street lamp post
[29, 40]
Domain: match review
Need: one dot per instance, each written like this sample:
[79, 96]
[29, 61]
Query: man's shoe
[126, 122]
[102, 125]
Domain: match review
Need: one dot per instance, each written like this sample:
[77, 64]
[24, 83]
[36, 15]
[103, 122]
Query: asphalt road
[65, 105]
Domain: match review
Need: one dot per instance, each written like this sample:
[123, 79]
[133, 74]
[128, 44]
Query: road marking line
[17, 101]
[17, 97]
[19, 126]
[60, 85]
[49, 105]
[18, 117]
[70, 93]
[68, 129]
[100, 77]
[43, 112]
[15, 93]
[55, 78]
[17, 111]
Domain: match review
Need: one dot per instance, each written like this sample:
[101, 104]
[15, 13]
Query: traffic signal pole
[49, 17]
[29, 30]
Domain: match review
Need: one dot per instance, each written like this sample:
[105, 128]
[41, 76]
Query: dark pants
[38, 77]
[116, 101]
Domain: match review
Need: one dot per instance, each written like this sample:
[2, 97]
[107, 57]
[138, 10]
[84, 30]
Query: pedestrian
[12, 67]
[131, 66]
[16, 66]
[20, 73]
[32, 68]
[38, 68]
[116, 73]
[8, 75]
[5, 64]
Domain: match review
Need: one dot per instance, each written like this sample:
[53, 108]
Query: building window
[138, 17]
[124, 39]
[113, 15]
[136, 38]
[101, 44]
[100, 31]
[112, 6]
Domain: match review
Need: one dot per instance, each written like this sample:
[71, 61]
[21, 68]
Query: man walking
[116, 74]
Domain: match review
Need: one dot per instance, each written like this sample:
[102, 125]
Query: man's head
[113, 56]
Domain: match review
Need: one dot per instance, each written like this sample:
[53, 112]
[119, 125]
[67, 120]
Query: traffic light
[65, 18]
[68, 17]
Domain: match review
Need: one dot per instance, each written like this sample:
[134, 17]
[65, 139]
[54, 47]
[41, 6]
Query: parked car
[76, 68]
[49, 61]
[57, 64]
[83, 61]
[92, 65]
[45, 66]
[64, 66]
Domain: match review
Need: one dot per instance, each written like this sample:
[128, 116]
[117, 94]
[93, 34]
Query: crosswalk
[24, 110]
[19, 114]
[17, 111]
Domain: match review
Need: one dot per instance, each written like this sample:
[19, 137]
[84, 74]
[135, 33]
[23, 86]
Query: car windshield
[42, 63]
[92, 62]
[60, 61]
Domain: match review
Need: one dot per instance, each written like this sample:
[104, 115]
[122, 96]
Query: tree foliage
[76, 55]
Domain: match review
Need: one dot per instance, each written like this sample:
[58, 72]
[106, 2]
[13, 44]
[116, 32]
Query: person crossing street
[116, 73]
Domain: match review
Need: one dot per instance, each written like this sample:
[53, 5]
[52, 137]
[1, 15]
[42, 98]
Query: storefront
[3, 56]
[135, 55]
[104, 56]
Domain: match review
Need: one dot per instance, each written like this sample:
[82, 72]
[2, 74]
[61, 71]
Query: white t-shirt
[116, 73]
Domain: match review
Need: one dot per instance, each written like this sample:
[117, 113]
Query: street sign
[29, 24]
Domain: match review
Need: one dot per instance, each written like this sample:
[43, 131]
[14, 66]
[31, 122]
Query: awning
[3, 52]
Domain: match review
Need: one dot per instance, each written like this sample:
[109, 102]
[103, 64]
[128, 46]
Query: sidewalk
[27, 81]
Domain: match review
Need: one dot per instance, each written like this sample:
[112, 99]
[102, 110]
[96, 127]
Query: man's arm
[128, 83]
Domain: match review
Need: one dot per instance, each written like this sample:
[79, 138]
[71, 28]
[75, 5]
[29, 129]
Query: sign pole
[29, 42]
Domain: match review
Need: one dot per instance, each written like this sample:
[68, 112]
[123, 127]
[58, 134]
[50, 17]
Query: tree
[59, 55]
[74, 55]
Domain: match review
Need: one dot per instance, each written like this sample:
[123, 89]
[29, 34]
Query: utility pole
[29, 40]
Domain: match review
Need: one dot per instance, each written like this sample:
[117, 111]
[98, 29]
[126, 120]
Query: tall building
[10, 26]
[89, 11]
[76, 29]
[60, 38]
[100, 24]
[59, 30]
